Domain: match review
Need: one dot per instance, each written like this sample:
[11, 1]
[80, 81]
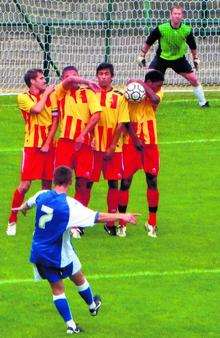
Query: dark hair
[67, 68]
[176, 7]
[62, 175]
[154, 76]
[31, 74]
[105, 65]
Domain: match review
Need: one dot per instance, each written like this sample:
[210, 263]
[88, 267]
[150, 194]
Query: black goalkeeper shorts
[180, 65]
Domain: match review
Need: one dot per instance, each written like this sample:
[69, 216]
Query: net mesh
[54, 34]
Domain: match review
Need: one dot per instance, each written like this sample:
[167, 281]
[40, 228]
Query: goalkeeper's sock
[85, 292]
[112, 201]
[17, 200]
[199, 93]
[63, 308]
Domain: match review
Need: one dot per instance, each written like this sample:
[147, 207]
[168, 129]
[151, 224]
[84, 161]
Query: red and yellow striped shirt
[37, 126]
[76, 107]
[143, 119]
[114, 111]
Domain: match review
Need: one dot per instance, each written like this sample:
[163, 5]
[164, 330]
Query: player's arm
[137, 143]
[89, 128]
[69, 82]
[39, 106]
[51, 134]
[54, 125]
[31, 202]
[108, 217]
[190, 40]
[154, 98]
[111, 149]
[152, 37]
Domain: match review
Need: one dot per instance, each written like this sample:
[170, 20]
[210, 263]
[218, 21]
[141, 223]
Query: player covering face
[39, 110]
[108, 140]
[140, 149]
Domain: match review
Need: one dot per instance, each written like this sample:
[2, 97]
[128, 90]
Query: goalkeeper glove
[141, 61]
[196, 62]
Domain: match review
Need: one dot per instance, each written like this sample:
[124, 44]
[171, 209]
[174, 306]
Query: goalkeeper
[173, 38]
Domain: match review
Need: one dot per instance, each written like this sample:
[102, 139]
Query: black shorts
[180, 65]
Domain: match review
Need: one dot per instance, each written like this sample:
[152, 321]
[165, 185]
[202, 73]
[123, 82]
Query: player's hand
[78, 142]
[109, 153]
[139, 145]
[49, 89]
[23, 208]
[94, 86]
[129, 217]
[45, 148]
[196, 63]
[141, 61]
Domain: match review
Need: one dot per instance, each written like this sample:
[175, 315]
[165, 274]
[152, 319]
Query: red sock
[123, 203]
[112, 201]
[153, 200]
[17, 200]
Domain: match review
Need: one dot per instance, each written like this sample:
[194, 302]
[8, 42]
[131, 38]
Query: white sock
[199, 93]
[71, 323]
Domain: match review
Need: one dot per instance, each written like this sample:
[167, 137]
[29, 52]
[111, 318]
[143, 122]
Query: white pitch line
[191, 141]
[128, 275]
[10, 150]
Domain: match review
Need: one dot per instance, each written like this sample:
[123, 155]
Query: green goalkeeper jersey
[173, 42]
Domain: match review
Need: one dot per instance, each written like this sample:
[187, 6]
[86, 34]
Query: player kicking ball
[52, 253]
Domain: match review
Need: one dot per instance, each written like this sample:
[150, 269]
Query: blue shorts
[53, 274]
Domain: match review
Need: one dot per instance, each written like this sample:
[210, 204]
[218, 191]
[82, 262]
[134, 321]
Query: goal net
[52, 34]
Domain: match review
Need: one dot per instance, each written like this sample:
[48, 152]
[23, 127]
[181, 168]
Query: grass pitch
[164, 287]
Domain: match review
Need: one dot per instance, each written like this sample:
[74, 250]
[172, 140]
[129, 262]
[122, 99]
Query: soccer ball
[135, 92]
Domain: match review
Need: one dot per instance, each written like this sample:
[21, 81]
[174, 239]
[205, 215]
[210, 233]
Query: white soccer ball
[135, 92]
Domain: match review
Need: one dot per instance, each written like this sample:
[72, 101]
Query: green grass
[139, 300]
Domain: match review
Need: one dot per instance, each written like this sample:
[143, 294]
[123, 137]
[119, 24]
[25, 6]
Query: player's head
[176, 14]
[69, 71]
[154, 79]
[105, 74]
[34, 78]
[62, 176]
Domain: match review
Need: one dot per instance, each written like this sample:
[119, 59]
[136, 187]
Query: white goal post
[52, 34]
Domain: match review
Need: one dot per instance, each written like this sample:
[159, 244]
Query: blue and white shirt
[56, 213]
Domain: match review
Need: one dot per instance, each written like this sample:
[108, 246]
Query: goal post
[52, 34]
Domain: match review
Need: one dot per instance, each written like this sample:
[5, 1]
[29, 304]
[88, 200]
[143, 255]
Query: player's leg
[112, 172]
[48, 160]
[112, 202]
[62, 305]
[46, 184]
[85, 292]
[183, 67]
[124, 199]
[17, 200]
[55, 278]
[152, 200]
[151, 168]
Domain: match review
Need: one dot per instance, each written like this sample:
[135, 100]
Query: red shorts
[147, 159]
[112, 169]
[37, 165]
[81, 161]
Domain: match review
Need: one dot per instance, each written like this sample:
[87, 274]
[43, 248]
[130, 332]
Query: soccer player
[38, 107]
[140, 148]
[52, 254]
[173, 37]
[108, 140]
[79, 113]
